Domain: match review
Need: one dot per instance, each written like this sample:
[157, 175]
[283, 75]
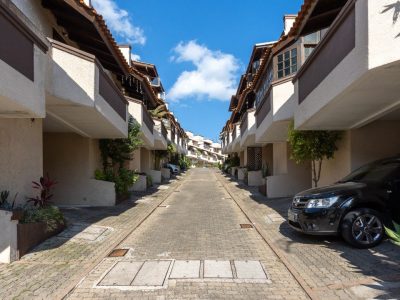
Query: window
[287, 63]
[311, 41]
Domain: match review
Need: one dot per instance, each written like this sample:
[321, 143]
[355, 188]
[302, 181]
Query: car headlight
[322, 203]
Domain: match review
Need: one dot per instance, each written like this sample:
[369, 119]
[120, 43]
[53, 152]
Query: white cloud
[214, 76]
[135, 57]
[119, 21]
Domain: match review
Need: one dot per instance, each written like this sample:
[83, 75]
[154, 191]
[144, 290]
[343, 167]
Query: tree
[314, 146]
[159, 112]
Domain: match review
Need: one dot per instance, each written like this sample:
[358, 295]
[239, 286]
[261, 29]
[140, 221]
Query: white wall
[71, 160]
[21, 162]
[383, 32]
[8, 237]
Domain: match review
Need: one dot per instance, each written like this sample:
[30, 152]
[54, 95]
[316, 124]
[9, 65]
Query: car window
[373, 172]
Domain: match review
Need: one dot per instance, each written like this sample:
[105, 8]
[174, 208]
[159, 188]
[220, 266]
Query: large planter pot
[155, 176]
[32, 234]
[242, 173]
[263, 187]
[140, 185]
[8, 237]
[254, 178]
[165, 173]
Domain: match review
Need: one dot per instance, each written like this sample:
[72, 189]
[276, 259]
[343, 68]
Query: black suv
[357, 207]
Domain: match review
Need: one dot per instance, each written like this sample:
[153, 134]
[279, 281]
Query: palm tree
[159, 112]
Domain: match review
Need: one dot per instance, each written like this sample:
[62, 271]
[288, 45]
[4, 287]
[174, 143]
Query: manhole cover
[118, 253]
[246, 226]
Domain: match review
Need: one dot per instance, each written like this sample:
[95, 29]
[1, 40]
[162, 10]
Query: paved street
[185, 241]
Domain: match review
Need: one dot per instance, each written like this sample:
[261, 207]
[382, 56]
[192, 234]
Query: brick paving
[58, 264]
[200, 220]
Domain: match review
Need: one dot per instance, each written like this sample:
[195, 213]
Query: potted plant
[40, 220]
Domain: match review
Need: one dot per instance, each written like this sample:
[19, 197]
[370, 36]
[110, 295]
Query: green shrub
[123, 179]
[394, 234]
[50, 215]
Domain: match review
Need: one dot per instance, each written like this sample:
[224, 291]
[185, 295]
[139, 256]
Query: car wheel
[363, 228]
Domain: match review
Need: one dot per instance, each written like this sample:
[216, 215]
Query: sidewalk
[325, 266]
[53, 268]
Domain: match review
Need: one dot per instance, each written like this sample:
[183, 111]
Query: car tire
[363, 228]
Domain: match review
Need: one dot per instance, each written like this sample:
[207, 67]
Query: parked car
[356, 207]
[173, 168]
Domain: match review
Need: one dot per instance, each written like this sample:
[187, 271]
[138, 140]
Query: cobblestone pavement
[327, 267]
[200, 222]
[58, 264]
[198, 218]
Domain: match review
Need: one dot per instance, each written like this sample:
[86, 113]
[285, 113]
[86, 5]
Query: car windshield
[375, 172]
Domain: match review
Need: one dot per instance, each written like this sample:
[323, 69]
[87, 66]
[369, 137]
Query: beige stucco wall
[280, 158]
[288, 177]
[268, 157]
[71, 160]
[145, 160]
[360, 146]
[20, 156]
[334, 169]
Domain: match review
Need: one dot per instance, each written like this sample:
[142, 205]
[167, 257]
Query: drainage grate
[246, 226]
[118, 253]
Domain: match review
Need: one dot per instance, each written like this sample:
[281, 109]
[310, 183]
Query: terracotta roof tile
[103, 26]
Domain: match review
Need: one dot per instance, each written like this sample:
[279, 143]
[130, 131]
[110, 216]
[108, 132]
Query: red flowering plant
[44, 186]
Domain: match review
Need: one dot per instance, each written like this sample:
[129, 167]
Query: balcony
[160, 135]
[81, 96]
[275, 112]
[22, 66]
[350, 85]
[236, 140]
[248, 129]
[139, 112]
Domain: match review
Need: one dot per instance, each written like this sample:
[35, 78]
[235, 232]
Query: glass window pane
[287, 55]
[311, 38]
[280, 74]
[287, 71]
[293, 61]
[280, 57]
[280, 66]
[294, 52]
[294, 68]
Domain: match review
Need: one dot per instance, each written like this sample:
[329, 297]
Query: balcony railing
[109, 91]
[263, 109]
[244, 124]
[147, 120]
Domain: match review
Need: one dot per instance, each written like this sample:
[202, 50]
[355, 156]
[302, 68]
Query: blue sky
[200, 48]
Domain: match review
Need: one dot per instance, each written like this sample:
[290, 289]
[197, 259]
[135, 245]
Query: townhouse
[333, 68]
[65, 84]
[59, 93]
[349, 81]
[203, 152]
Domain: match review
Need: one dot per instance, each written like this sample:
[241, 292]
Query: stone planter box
[241, 173]
[263, 188]
[8, 237]
[234, 171]
[254, 178]
[140, 185]
[32, 234]
[166, 173]
[155, 176]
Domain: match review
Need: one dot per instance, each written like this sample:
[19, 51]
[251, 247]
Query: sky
[200, 48]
